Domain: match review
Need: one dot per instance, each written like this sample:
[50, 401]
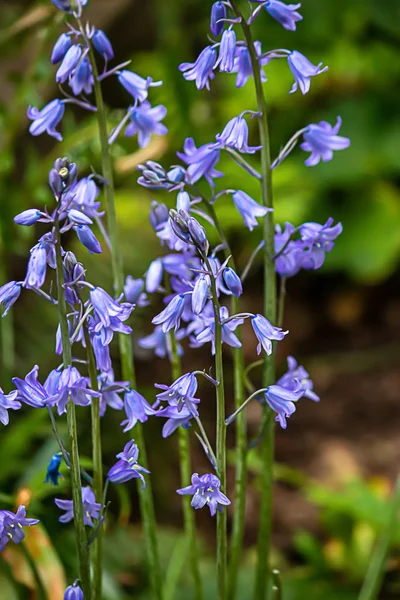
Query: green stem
[267, 447]
[281, 302]
[375, 573]
[221, 442]
[125, 346]
[186, 473]
[81, 539]
[97, 551]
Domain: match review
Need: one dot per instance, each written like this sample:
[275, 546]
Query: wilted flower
[136, 408]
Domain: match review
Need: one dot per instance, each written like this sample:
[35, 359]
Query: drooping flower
[110, 391]
[72, 386]
[28, 217]
[83, 196]
[289, 252]
[127, 467]
[249, 209]
[286, 14]
[30, 390]
[243, 66]
[36, 271]
[175, 418]
[201, 71]
[103, 44]
[8, 402]
[154, 276]
[61, 47]
[81, 79]
[281, 400]
[91, 508]
[227, 50]
[47, 119]
[9, 294]
[136, 408]
[11, 526]
[266, 332]
[88, 239]
[136, 85]
[295, 375]
[206, 333]
[157, 341]
[321, 140]
[200, 295]
[232, 282]
[180, 393]
[69, 63]
[145, 120]
[302, 70]
[235, 135]
[74, 592]
[317, 240]
[201, 161]
[53, 470]
[218, 12]
[170, 317]
[106, 308]
[133, 290]
[206, 492]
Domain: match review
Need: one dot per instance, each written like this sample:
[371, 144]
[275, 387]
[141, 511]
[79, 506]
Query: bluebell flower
[154, 276]
[105, 307]
[103, 44]
[157, 341]
[281, 400]
[82, 80]
[295, 375]
[243, 66]
[317, 240]
[302, 70]
[170, 317]
[159, 214]
[206, 492]
[91, 508]
[101, 350]
[266, 332]
[175, 418]
[200, 295]
[78, 217]
[232, 282]
[110, 391]
[145, 120]
[51, 385]
[61, 47]
[235, 135]
[136, 408]
[218, 12]
[28, 217]
[286, 14]
[83, 196]
[127, 467]
[37, 265]
[227, 50]
[207, 332]
[30, 390]
[180, 393]
[53, 470]
[201, 161]
[65, 5]
[73, 592]
[202, 70]
[136, 85]
[321, 140]
[8, 402]
[11, 526]
[88, 239]
[9, 294]
[47, 119]
[72, 386]
[249, 209]
[133, 290]
[290, 261]
[69, 63]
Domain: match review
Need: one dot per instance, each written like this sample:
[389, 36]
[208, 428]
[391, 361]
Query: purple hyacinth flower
[232, 282]
[133, 290]
[61, 47]
[8, 402]
[9, 294]
[265, 332]
[28, 217]
[83, 196]
[30, 390]
[281, 400]
[69, 63]
[200, 295]
[206, 333]
[88, 239]
[105, 307]
[91, 508]
[136, 85]
[201, 71]
[103, 44]
[206, 492]
[321, 140]
[73, 592]
[136, 408]
[227, 50]
[302, 70]
[286, 14]
[175, 418]
[235, 135]
[126, 467]
[180, 393]
[36, 270]
[82, 80]
[243, 66]
[295, 375]
[290, 260]
[53, 470]
[249, 209]
[47, 119]
[218, 12]
[201, 161]
[145, 120]
[170, 317]
[72, 386]
[11, 526]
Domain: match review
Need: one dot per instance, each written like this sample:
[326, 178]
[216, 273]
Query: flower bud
[103, 44]
[183, 202]
[55, 182]
[218, 11]
[78, 217]
[88, 239]
[154, 276]
[28, 217]
[176, 174]
[70, 61]
[179, 224]
[198, 235]
[158, 214]
[61, 47]
[232, 282]
[200, 295]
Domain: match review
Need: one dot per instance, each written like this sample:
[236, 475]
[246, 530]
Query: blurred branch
[30, 19]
